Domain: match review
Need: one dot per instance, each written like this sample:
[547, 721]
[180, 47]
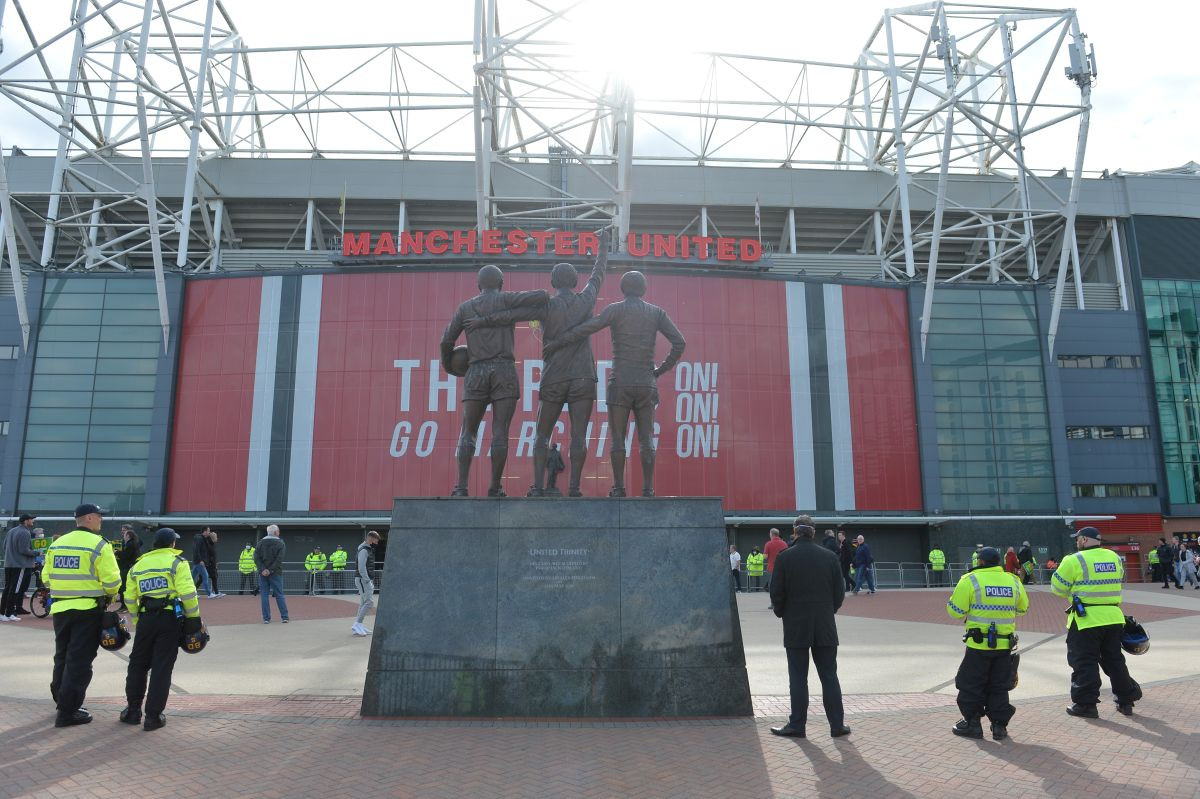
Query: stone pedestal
[557, 608]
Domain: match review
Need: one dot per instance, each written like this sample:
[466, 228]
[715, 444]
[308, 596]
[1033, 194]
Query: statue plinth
[563, 608]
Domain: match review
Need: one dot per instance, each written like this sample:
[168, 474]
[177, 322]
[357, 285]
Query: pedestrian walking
[81, 571]
[211, 562]
[1166, 559]
[735, 567]
[1186, 567]
[200, 546]
[988, 600]
[830, 542]
[846, 556]
[806, 591]
[864, 566]
[268, 559]
[771, 549]
[247, 571]
[364, 581]
[160, 594]
[1011, 564]
[1091, 579]
[19, 560]
[1025, 559]
[131, 550]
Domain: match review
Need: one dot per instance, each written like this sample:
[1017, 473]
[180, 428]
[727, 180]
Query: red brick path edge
[310, 746]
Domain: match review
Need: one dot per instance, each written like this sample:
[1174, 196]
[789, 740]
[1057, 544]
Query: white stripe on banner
[839, 399]
[259, 462]
[803, 465]
[304, 406]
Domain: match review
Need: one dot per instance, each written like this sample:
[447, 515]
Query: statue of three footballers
[569, 369]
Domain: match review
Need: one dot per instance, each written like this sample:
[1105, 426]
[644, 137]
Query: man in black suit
[806, 591]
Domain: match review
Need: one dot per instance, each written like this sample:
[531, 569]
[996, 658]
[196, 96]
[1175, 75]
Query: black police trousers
[155, 647]
[982, 682]
[1093, 649]
[76, 642]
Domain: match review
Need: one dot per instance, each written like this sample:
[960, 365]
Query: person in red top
[1011, 564]
[771, 549]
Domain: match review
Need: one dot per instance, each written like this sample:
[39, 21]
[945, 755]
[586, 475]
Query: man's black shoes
[999, 731]
[1125, 708]
[968, 728]
[1083, 711]
[131, 715]
[80, 716]
[838, 732]
[154, 722]
[788, 731]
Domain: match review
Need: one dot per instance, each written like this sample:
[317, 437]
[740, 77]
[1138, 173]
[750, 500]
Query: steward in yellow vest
[937, 564]
[989, 600]
[1155, 564]
[756, 564]
[81, 572]
[248, 571]
[338, 558]
[1091, 579]
[315, 562]
[160, 593]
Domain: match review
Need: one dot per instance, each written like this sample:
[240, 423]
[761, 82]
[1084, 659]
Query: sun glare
[649, 45]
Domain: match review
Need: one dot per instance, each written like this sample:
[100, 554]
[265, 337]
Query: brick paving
[313, 746]
[247, 609]
[1045, 610]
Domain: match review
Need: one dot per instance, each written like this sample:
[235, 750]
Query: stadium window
[1102, 432]
[1100, 361]
[3, 428]
[9, 353]
[1114, 490]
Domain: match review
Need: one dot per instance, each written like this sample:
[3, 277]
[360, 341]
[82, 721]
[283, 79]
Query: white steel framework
[940, 90]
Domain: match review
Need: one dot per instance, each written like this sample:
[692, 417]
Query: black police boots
[80, 716]
[154, 722]
[131, 715]
[999, 732]
[1125, 708]
[968, 728]
[1083, 711]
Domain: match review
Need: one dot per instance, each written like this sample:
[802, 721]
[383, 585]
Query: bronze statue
[635, 325]
[554, 466]
[569, 374]
[491, 377]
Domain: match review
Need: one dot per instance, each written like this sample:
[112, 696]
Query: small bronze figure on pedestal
[554, 467]
[491, 377]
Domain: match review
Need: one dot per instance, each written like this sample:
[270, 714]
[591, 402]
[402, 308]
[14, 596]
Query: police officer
[81, 571]
[1091, 578]
[989, 599]
[1155, 565]
[937, 564]
[160, 593]
[975, 556]
[247, 570]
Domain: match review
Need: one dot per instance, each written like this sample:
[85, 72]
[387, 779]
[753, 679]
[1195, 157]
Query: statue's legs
[618, 421]
[472, 416]
[644, 415]
[548, 413]
[502, 414]
[581, 413]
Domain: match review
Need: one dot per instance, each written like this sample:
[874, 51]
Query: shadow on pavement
[850, 777]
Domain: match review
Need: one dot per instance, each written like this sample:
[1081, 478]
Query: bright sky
[1146, 101]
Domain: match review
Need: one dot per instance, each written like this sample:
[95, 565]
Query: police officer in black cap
[160, 594]
[81, 572]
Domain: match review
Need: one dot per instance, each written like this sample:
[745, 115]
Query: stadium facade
[922, 353]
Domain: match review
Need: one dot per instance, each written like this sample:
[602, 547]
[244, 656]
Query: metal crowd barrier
[296, 580]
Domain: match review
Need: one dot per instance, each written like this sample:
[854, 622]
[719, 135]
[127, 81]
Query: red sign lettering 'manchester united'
[541, 242]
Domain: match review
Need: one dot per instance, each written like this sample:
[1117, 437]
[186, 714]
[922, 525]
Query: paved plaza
[272, 711]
